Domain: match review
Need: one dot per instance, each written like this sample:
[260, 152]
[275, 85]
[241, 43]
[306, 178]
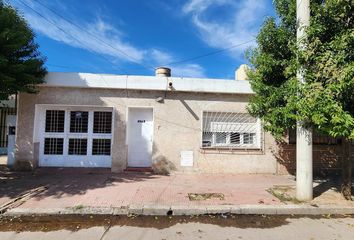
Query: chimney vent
[163, 72]
[241, 72]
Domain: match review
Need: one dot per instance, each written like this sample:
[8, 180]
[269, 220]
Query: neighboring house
[6, 108]
[159, 122]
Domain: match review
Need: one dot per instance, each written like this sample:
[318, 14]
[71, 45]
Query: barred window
[53, 146]
[101, 147]
[77, 146]
[102, 122]
[54, 120]
[78, 122]
[230, 130]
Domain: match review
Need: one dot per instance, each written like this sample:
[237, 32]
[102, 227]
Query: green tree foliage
[21, 64]
[326, 100]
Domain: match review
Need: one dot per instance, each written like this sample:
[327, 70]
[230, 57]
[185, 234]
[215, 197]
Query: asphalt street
[162, 229]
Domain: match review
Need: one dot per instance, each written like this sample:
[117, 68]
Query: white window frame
[242, 146]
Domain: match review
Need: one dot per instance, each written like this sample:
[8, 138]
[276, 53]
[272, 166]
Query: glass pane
[220, 138]
[78, 122]
[207, 139]
[101, 147]
[235, 138]
[249, 138]
[54, 120]
[53, 146]
[102, 122]
[77, 146]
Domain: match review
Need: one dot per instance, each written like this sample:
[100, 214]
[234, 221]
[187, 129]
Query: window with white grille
[78, 122]
[53, 146]
[76, 132]
[102, 122]
[77, 146]
[101, 147]
[230, 130]
[54, 120]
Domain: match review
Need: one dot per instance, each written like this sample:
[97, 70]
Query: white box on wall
[187, 158]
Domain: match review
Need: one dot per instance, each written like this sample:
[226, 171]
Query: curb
[158, 210]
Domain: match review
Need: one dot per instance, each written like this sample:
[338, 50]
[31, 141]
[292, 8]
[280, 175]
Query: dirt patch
[284, 194]
[325, 192]
[77, 222]
[205, 196]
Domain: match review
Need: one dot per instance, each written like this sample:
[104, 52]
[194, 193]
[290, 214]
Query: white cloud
[97, 36]
[102, 38]
[188, 70]
[160, 57]
[181, 70]
[202, 5]
[241, 26]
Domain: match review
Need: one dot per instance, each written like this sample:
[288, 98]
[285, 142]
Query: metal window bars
[230, 130]
[77, 146]
[78, 121]
[102, 122]
[54, 120]
[53, 146]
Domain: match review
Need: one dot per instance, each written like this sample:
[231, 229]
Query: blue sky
[133, 37]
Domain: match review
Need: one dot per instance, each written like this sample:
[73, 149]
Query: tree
[21, 64]
[326, 101]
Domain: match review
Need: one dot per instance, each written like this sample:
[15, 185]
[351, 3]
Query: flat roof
[152, 83]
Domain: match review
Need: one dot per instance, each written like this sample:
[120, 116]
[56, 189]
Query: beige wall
[177, 127]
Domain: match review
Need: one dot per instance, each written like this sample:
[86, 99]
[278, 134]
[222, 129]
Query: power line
[130, 57]
[107, 44]
[61, 29]
[136, 61]
[208, 54]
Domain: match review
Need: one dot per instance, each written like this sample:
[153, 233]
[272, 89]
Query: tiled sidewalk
[100, 188]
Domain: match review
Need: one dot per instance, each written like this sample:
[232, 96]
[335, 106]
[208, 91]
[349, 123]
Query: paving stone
[120, 210]
[156, 210]
[136, 209]
[189, 210]
[218, 209]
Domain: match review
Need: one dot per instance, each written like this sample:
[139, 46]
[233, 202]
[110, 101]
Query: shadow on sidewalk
[327, 184]
[62, 181]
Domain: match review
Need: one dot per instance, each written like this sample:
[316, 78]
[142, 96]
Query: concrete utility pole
[304, 189]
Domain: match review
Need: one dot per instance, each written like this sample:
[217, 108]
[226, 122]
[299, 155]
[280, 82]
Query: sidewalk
[95, 191]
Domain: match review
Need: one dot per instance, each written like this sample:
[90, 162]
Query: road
[260, 227]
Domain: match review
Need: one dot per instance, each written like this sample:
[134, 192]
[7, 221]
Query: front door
[140, 134]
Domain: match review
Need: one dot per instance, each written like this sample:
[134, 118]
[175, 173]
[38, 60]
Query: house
[7, 111]
[160, 122]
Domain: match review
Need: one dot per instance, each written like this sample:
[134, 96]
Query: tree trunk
[346, 188]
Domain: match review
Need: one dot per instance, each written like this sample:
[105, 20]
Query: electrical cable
[132, 59]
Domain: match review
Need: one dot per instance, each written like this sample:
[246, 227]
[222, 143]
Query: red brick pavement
[101, 188]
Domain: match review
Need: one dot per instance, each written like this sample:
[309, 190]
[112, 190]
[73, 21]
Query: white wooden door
[140, 137]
